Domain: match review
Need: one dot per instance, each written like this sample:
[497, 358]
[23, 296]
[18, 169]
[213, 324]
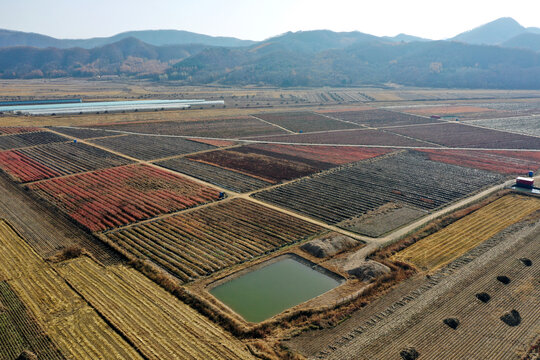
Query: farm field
[348, 137]
[453, 241]
[380, 118]
[504, 162]
[219, 128]
[44, 229]
[155, 322]
[74, 327]
[151, 147]
[28, 139]
[197, 243]
[459, 135]
[456, 111]
[305, 121]
[527, 125]
[56, 159]
[361, 187]
[411, 315]
[9, 130]
[230, 180]
[83, 133]
[108, 198]
[20, 330]
[260, 164]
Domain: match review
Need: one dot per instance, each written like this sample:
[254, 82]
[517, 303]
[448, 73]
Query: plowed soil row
[379, 117]
[200, 242]
[52, 160]
[305, 121]
[29, 139]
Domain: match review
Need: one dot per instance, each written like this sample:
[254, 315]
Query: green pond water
[267, 291]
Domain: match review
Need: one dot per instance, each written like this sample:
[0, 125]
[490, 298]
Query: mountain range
[500, 54]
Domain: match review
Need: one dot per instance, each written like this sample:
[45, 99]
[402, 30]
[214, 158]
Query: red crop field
[22, 168]
[504, 162]
[56, 159]
[347, 137]
[17, 129]
[336, 155]
[459, 135]
[105, 199]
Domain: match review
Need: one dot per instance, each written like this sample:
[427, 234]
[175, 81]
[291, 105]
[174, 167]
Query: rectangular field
[456, 239]
[230, 180]
[220, 128]
[305, 121]
[459, 135]
[7, 130]
[83, 133]
[28, 139]
[527, 125]
[56, 159]
[347, 137]
[504, 162]
[151, 147]
[380, 118]
[260, 164]
[159, 325]
[20, 331]
[113, 197]
[401, 178]
[73, 326]
[200, 242]
[335, 155]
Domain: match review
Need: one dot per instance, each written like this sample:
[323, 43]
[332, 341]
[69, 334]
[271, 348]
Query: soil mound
[511, 318]
[409, 354]
[526, 262]
[452, 322]
[366, 270]
[483, 297]
[504, 279]
[329, 245]
[27, 355]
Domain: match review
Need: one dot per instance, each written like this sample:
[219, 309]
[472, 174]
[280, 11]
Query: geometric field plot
[408, 178]
[105, 199]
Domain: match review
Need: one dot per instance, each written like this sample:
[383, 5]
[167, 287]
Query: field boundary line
[338, 119]
[276, 125]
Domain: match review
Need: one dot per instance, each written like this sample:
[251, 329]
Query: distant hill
[492, 33]
[405, 38]
[432, 63]
[128, 56]
[9, 38]
[526, 40]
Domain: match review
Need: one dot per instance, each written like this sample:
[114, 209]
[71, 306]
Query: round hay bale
[409, 354]
[452, 322]
[504, 279]
[511, 318]
[483, 297]
[27, 355]
[526, 262]
[366, 270]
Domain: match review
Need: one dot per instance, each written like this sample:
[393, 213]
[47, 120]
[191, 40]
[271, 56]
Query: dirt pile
[452, 322]
[27, 355]
[329, 245]
[366, 270]
[511, 318]
[409, 354]
[483, 297]
[526, 262]
[504, 279]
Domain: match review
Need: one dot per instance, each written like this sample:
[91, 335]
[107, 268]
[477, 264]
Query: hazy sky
[260, 19]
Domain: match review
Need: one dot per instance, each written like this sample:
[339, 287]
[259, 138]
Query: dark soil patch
[511, 318]
[409, 354]
[452, 322]
[526, 262]
[483, 297]
[504, 279]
